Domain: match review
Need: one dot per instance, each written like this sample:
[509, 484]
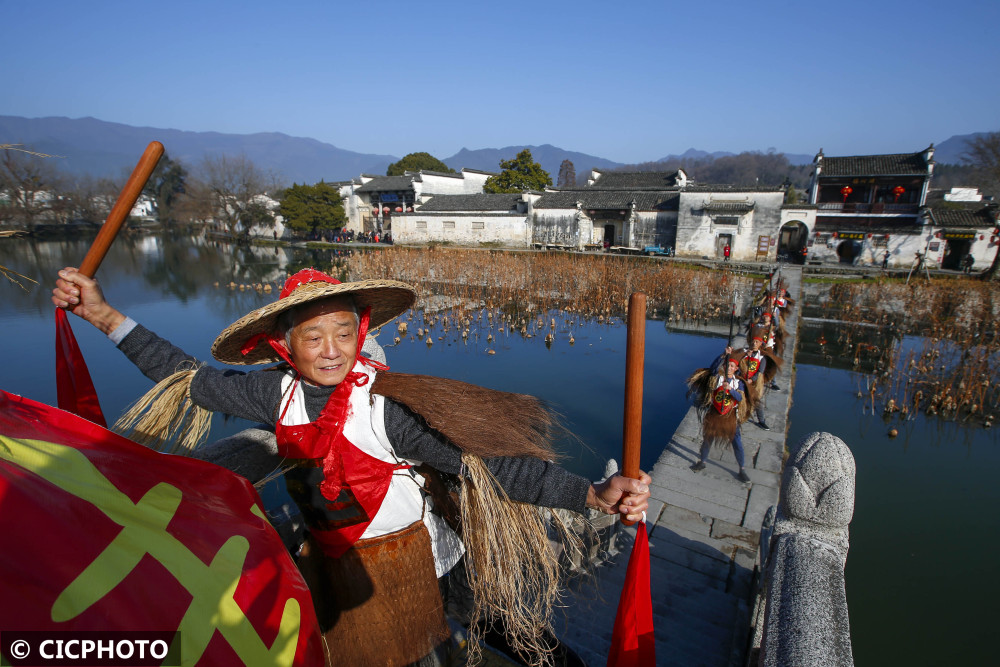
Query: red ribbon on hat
[305, 276]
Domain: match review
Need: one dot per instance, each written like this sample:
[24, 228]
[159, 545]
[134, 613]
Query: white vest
[404, 501]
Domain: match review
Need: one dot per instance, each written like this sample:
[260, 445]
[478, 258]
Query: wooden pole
[119, 212]
[634, 362]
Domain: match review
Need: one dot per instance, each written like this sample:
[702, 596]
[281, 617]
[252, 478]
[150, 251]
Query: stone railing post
[801, 614]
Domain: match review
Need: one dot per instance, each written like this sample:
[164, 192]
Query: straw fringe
[514, 572]
[166, 419]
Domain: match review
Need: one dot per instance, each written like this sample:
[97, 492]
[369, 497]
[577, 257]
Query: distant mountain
[695, 154]
[100, 148]
[951, 149]
[547, 155]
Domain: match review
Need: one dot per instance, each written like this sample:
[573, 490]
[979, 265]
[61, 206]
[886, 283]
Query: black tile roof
[899, 164]
[977, 217]
[479, 202]
[387, 184]
[609, 199]
[417, 174]
[732, 188]
[636, 180]
[728, 207]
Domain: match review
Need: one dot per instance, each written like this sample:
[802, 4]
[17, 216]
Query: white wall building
[467, 220]
[371, 202]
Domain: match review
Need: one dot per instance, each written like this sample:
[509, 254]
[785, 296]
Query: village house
[467, 220]
[711, 217]
[617, 211]
[960, 224]
[370, 202]
[862, 207]
[632, 211]
[865, 206]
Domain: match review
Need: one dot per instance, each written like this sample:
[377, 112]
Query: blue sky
[628, 81]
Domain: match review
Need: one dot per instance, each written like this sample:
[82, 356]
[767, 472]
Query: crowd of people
[346, 235]
[733, 388]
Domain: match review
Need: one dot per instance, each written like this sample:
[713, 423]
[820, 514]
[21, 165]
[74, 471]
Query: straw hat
[387, 298]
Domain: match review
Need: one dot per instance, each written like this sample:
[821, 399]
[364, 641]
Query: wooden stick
[634, 362]
[123, 206]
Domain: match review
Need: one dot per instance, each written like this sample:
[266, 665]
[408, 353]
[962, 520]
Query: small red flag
[103, 534]
[632, 639]
[73, 384]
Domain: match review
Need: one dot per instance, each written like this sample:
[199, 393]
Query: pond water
[924, 531]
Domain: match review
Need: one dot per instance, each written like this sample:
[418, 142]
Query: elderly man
[355, 435]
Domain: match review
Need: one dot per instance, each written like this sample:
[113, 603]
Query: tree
[517, 175]
[233, 184]
[30, 184]
[194, 206]
[91, 198]
[418, 162]
[313, 207]
[983, 154]
[567, 175]
[165, 185]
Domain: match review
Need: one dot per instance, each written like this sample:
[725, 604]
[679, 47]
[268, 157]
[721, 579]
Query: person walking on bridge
[724, 402]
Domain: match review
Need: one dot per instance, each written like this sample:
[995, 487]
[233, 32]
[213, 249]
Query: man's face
[731, 368]
[755, 344]
[324, 343]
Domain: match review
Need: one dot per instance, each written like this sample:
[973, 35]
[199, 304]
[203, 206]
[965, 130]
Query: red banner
[100, 533]
[632, 638]
[73, 384]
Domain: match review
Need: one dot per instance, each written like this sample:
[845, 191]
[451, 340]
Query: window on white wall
[478, 225]
[449, 224]
[421, 224]
[727, 220]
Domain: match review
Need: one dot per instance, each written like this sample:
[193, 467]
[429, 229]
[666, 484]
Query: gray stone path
[704, 531]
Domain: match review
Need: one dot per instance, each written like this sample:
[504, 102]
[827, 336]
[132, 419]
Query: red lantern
[835, 235]
[399, 209]
[869, 235]
[385, 209]
[817, 233]
[981, 237]
[846, 190]
[409, 209]
[898, 191]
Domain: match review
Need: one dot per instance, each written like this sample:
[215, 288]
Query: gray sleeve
[254, 396]
[525, 479]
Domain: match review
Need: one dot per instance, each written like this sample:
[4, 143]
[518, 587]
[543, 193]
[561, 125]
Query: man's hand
[621, 495]
[83, 297]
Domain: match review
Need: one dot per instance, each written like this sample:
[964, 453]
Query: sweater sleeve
[254, 395]
[525, 479]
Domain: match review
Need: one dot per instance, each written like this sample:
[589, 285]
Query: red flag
[632, 639]
[100, 533]
[73, 384]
